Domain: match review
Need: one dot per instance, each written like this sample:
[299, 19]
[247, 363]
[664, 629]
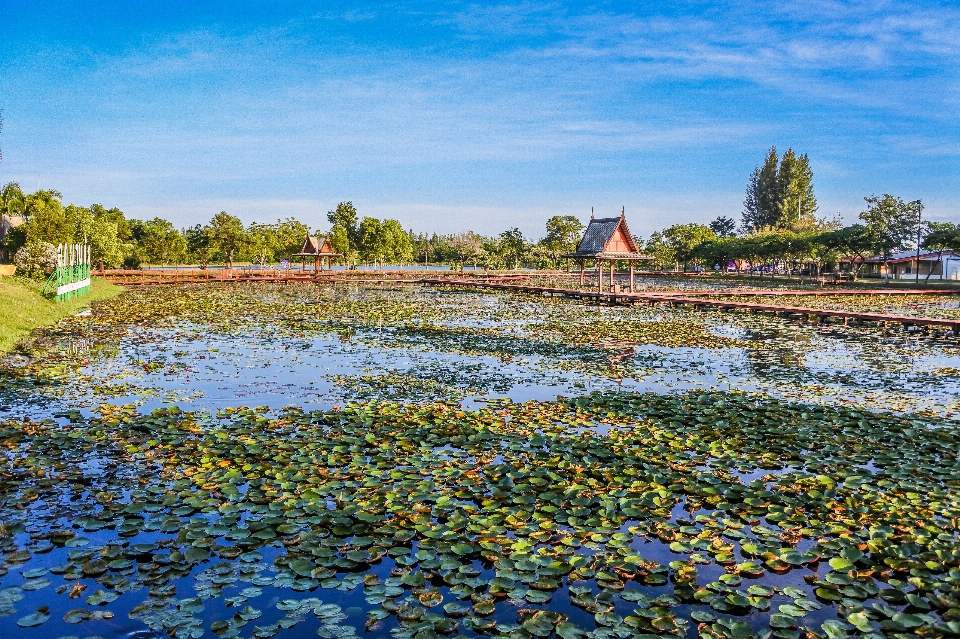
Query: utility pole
[919, 227]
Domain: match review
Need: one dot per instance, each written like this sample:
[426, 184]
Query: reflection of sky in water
[206, 370]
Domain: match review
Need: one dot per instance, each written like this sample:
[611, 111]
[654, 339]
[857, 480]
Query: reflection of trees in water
[864, 359]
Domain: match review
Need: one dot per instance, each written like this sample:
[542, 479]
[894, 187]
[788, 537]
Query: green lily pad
[456, 609]
[102, 597]
[538, 626]
[76, 616]
[839, 563]
[569, 631]
[34, 619]
[861, 621]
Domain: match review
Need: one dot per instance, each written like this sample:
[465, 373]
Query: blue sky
[453, 116]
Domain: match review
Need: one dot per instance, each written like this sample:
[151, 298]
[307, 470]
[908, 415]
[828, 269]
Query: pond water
[200, 369]
[425, 462]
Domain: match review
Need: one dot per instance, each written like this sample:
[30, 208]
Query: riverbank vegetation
[25, 308]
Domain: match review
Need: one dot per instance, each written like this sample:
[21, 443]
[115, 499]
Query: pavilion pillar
[599, 276]
[631, 276]
[581, 273]
[613, 266]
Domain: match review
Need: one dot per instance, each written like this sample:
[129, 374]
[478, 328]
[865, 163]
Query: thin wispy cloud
[476, 108]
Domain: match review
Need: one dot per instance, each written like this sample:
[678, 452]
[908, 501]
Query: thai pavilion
[318, 248]
[607, 241]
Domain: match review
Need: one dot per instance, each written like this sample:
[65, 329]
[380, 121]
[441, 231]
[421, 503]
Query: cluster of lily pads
[606, 515]
[144, 321]
[550, 341]
[736, 516]
[437, 381]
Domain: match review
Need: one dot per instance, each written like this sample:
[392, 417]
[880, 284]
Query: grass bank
[23, 308]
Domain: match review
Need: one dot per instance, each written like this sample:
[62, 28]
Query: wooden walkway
[674, 299]
[821, 292]
[510, 282]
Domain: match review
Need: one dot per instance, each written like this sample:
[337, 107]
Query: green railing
[71, 277]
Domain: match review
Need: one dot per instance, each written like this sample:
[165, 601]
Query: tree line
[888, 225]
[33, 222]
[779, 231]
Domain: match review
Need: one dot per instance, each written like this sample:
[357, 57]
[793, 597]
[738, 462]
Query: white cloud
[497, 109]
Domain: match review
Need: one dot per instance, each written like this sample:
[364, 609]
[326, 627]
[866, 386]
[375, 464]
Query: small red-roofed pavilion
[320, 249]
[607, 240]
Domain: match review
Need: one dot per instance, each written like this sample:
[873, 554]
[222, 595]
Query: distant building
[904, 266]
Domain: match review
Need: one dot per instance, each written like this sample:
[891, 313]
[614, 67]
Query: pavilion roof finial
[623, 212]
[591, 212]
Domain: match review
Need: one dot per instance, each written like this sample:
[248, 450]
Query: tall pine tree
[797, 204]
[750, 218]
[780, 193]
[768, 196]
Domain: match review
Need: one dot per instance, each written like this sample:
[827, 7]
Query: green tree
[780, 194]
[115, 216]
[941, 237]
[198, 244]
[682, 239]
[853, 244]
[720, 252]
[262, 242]
[398, 249]
[513, 247]
[372, 241]
[563, 233]
[290, 234]
[228, 238]
[724, 226]
[106, 248]
[891, 223]
[161, 243]
[468, 247]
[761, 205]
[345, 216]
[796, 203]
[422, 248]
[79, 220]
[340, 240]
[46, 219]
[657, 248]
[492, 250]
[12, 203]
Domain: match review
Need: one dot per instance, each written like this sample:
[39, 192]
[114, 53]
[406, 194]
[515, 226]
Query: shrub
[36, 259]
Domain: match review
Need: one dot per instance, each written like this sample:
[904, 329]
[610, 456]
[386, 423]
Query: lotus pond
[260, 460]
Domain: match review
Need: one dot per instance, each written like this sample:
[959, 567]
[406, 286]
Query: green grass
[23, 308]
